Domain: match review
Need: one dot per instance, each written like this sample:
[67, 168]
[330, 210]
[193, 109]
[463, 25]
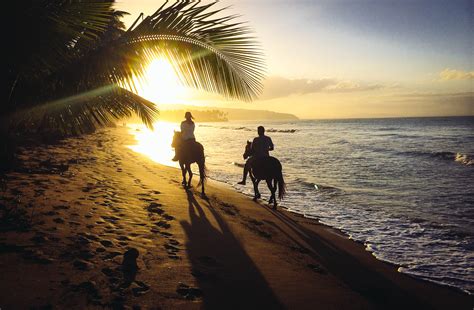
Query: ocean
[404, 187]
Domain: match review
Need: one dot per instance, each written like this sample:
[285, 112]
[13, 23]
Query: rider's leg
[175, 158]
[246, 171]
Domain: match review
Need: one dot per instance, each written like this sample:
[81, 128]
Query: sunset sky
[348, 58]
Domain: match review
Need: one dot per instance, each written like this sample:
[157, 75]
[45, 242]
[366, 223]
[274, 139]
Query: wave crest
[464, 159]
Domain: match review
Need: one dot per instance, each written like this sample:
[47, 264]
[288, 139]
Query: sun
[156, 144]
[161, 83]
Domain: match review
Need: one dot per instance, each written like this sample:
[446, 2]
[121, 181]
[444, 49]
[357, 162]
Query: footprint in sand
[106, 243]
[206, 268]
[172, 248]
[188, 292]
[173, 242]
[110, 219]
[167, 217]
[162, 233]
[111, 255]
[61, 207]
[50, 213]
[317, 268]
[163, 224]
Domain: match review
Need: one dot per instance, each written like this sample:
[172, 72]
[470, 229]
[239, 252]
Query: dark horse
[268, 169]
[190, 152]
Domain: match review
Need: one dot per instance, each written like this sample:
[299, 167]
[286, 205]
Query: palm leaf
[208, 53]
[211, 53]
[84, 113]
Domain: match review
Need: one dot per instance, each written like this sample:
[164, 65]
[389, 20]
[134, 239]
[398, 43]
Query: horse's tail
[202, 168]
[281, 185]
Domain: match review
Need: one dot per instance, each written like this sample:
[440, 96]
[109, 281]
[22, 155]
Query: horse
[268, 169]
[188, 153]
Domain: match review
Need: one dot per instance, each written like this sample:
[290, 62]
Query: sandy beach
[75, 216]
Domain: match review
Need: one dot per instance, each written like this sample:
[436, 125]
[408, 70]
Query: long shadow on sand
[225, 273]
[373, 285]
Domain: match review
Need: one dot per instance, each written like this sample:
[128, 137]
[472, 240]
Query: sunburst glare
[161, 83]
[155, 144]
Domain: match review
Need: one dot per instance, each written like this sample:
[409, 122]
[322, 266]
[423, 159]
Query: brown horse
[268, 169]
[190, 152]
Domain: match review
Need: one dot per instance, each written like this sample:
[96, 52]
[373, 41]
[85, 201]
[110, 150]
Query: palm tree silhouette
[69, 62]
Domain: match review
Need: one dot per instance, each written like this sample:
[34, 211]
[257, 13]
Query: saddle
[189, 150]
[264, 166]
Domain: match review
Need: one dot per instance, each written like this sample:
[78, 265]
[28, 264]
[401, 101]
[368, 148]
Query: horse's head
[248, 150]
[176, 138]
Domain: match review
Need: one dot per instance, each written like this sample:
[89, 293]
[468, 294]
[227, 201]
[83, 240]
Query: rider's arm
[271, 147]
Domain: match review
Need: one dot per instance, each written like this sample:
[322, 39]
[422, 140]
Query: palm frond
[211, 53]
[91, 52]
[84, 112]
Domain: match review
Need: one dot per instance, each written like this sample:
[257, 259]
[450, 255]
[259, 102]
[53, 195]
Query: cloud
[276, 87]
[451, 74]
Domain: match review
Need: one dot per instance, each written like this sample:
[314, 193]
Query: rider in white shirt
[187, 132]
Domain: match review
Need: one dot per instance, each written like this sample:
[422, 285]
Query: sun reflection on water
[156, 144]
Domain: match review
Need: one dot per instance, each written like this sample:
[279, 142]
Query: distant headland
[218, 114]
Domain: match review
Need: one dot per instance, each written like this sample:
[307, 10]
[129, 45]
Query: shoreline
[342, 235]
[193, 253]
[239, 190]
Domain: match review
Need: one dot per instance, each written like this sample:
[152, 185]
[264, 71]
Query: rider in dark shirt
[261, 147]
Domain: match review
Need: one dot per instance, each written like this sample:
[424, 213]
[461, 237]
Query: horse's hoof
[204, 196]
[274, 207]
[254, 198]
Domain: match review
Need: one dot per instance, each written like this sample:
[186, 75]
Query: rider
[187, 133]
[261, 146]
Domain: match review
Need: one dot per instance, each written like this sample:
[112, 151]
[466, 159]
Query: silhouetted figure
[188, 151]
[260, 147]
[266, 168]
[187, 135]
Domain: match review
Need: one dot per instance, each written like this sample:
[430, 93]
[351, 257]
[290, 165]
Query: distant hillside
[243, 114]
[233, 114]
[201, 115]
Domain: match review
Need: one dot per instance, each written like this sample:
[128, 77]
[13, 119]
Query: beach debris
[129, 262]
[129, 266]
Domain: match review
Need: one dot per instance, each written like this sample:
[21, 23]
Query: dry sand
[71, 211]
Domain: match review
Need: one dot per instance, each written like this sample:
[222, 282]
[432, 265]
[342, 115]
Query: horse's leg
[275, 183]
[203, 193]
[272, 190]
[202, 177]
[190, 174]
[183, 172]
[255, 189]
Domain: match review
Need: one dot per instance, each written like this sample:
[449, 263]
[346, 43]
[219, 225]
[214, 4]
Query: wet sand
[88, 223]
